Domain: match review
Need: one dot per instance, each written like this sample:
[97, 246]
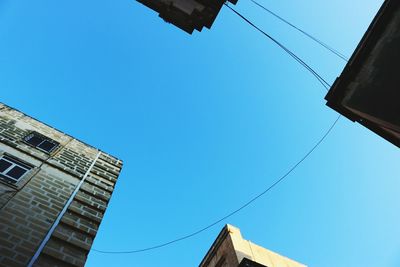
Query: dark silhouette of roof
[189, 15]
[368, 90]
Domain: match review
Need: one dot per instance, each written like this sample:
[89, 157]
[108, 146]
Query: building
[231, 250]
[54, 191]
[368, 91]
[189, 15]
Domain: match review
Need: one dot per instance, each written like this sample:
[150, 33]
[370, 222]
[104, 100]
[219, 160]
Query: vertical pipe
[57, 221]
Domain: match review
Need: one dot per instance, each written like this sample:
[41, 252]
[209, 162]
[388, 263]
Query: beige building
[231, 250]
[54, 191]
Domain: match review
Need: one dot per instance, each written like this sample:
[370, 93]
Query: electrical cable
[324, 83]
[278, 181]
[326, 46]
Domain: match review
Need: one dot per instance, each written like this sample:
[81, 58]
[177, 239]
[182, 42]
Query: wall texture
[29, 208]
[229, 249]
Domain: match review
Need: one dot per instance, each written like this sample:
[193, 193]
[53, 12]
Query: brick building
[54, 191]
[231, 250]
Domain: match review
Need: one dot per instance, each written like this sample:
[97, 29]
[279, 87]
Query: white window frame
[13, 162]
[45, 139]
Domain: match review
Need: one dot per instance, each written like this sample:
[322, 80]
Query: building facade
[54, 191]
[231, 250]
[367, 91]
[188, 15]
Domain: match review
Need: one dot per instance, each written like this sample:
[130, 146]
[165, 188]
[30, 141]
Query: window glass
[16, 172]
[34, 140]
[12, 169]
[4, 165]
[41, 142]
[17, 162]
[47, 146]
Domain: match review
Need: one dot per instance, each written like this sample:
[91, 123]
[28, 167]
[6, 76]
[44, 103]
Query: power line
[278, 181]
[324, 83]
[326, 46]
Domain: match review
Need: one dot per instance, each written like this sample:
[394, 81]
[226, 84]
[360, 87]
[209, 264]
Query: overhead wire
[315, 39]
[324, 83]
[278, 181]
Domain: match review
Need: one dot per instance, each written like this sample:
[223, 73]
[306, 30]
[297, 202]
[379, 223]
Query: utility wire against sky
[248, 203]
[326, 46]
[324, 83]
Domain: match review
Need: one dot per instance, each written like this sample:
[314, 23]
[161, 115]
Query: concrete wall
[231, 248]
[28, 209]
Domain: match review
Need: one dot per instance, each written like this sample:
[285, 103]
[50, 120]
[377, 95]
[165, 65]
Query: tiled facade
[29, 207]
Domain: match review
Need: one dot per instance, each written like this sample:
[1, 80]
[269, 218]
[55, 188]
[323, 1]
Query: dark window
[47, 145]
[41, 142]
[17, 172]
[33, 140]
[4, 165]
[11, 169]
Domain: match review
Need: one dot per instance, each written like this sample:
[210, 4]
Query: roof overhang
[368, 90]
[188, 15]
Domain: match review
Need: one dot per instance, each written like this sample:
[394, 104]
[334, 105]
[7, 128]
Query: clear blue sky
[204, 122]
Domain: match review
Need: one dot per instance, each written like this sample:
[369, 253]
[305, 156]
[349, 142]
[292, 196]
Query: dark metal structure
[368, 90]
[189, 15]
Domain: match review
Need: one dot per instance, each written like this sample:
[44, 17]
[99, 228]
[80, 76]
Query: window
[41, 142]
[12, 170]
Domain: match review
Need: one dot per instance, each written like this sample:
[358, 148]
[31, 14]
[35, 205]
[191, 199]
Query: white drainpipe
[57, 221]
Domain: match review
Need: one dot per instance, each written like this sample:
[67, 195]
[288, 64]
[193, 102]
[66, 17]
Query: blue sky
[205, 122]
